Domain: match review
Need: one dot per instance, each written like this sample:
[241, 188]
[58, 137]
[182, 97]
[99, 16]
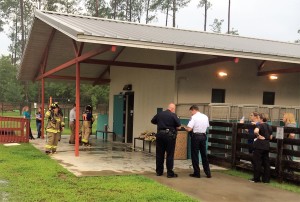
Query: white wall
[152, 89]
[242, 84]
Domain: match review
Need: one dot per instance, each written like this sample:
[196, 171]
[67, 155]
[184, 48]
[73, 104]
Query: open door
[123, 116]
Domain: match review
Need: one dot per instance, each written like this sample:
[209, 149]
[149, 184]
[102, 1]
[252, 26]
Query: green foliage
[217, 25]
[10, 88]
[234, 31]
[298, 41]
[29, 175]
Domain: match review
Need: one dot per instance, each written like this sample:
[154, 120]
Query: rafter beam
[179, 57]
[108, 66]
[279, 71]
[102, 81]
[128, 64]
[44, 58]
[79, 59]
[262, 64]
[204, 62]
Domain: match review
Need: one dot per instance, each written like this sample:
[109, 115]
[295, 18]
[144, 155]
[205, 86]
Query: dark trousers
[198, 143]
[261, 159]
[38, 128]
[165, 144]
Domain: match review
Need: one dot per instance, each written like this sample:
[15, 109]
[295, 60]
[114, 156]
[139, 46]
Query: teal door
[118, 119]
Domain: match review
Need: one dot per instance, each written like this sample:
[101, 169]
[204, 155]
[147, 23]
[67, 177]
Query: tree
[98, 8]
[10, 88]
[233, 31]
[217, 25]
[229, 7]
[174, 5]
[298, 41]
[207, 5]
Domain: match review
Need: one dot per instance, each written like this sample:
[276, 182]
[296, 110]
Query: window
[218, 96]
[268, 98]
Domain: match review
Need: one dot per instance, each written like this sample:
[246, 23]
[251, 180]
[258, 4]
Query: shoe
[208, 176]
[254, 181]
[265, 181]
[47, 152]
[172, 176]
[159, 174]
[194, 175]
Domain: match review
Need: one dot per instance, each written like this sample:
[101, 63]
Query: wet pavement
[108, 158]
[113, 158]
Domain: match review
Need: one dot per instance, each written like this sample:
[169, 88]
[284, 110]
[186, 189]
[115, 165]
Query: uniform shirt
[199, 123]
[72, 115]
[166, 120]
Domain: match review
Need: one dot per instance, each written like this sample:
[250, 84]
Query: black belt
[164, 131]
[199, 133]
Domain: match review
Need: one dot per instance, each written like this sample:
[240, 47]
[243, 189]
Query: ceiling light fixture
[222, 74]
[273, 77]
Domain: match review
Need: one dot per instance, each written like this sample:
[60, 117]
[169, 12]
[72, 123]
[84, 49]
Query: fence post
[279, 159]
[233, 145]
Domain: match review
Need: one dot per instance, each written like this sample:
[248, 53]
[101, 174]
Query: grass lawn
[29, 175]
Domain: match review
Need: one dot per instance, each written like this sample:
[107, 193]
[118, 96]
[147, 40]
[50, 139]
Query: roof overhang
[45, 51]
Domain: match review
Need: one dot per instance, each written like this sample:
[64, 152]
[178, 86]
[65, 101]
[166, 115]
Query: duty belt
[199, 133]
[164, 131]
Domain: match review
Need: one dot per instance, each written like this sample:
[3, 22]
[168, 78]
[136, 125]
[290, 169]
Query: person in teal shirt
[26, 115]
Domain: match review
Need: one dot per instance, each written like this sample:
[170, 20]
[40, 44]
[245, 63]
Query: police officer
[167, 122]
[54, 127]
[197, 127]
[88, 120]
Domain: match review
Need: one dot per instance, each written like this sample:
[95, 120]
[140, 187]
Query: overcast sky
[266, 19]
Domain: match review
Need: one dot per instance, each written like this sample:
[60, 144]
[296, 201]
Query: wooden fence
[228, 147]
[14, 130]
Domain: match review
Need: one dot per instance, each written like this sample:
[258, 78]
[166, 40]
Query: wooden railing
[14, 130]
[228, 147]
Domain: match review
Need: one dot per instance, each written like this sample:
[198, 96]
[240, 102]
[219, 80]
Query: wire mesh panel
[183, 110]
[219, 111]
[246, 110]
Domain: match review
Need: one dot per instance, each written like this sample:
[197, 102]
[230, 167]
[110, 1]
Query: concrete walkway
[107, 158]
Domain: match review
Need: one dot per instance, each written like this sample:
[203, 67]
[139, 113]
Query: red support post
[43, 107]
[77, 109]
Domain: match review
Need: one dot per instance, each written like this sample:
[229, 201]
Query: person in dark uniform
[261, 151]
[197, 127]
[167, 124]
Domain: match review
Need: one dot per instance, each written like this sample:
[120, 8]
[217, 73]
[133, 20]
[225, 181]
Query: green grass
[273, 183]
[29, 175]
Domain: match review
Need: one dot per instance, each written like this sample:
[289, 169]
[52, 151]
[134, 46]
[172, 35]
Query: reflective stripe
[50, 130]
[48, 146]
[84, 140]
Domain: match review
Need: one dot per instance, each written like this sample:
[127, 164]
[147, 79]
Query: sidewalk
[111, 158]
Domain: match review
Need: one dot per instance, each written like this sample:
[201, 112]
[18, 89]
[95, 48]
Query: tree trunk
[115, 10]
[205, 15]
[147, 11]
[97, 8]
[174, 12]
[22, 24]
[228, 29]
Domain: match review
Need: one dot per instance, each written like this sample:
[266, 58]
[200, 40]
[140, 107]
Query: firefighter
[60, 113]
[88, 120]
[54, 127]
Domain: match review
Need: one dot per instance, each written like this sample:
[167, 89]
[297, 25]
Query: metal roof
[127, 34]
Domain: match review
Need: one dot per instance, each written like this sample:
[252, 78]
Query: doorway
[123, 116]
